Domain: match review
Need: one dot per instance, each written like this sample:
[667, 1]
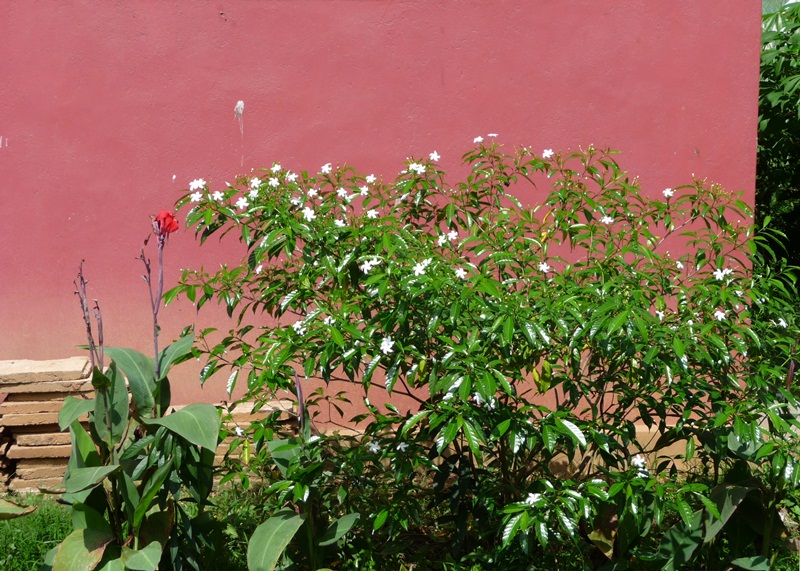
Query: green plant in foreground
[132, 474]
[510, 339]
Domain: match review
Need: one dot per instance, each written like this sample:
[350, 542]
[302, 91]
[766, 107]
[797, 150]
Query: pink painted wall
[102, 103]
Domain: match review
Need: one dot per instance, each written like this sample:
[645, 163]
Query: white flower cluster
[386, 345]
[638, 462]
[367, 266]
[420, 268]
[722, 273]
[533, 499]
[606, 220]
[417, 168]
[299, 327]
[452, 236]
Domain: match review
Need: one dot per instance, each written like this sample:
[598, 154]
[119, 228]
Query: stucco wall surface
[109, 109]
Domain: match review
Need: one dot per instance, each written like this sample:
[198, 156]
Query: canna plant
[135, 469]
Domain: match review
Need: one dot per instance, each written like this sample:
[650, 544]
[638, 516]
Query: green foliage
[25, 541]
[533, 340]
[778, 175]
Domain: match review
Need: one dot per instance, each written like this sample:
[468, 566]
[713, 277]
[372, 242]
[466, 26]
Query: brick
[21, 485]
[23, 370]
[31, 407]
[41, 471]
[46, 439]
[29, 419]
[23, 397]
[63, 387]
[61, 451]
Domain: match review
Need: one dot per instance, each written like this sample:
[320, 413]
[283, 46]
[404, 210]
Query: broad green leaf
[177, 350]
[380, 519]
[85, 517]
[145, 559]
[10, 510]
[151, 489]
[81, 550]
[116, 416]
[679, 543]
[270, 539]
[198, 423]
[283, 451]
[337, 529]
[141, 376]
[72, 409]
[409, 424]
[573, 431]
[727, 498]
[754, 563]
[82, 478]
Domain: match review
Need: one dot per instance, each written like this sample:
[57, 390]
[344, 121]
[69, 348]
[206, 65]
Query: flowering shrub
[532, 339]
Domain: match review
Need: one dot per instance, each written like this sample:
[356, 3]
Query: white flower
[419, 269]
[276, 168]
[668, 192]
[196, 196]
[374, 447]
[547, 153]
[544, 267]
[679, 265]
[299, 328]
[434, 156]
[364, 190]
[386, 345]
[255, 182]
[417, 168]
[372, 213]
[660, 315]
[241, 203]
[258, 269]
[491, 135]
[253, 194]
[274, 182]
[326, 168]
[452, 235]
[217, 196]
[342, 192]
[197, 184]
[719, 315]
[442, 239]
[402, 447]
[239, 432]
[340, 223]
[532, 499]
[607, 220]
[238, 109]
[328, 321]
[782, 323]
[461, 273]
[309, 214]
[312, 192]
[296, 201]
[478, 139]
[370, 178]
[638, 461]
[720, 273]
[290, 176]
[368, 265]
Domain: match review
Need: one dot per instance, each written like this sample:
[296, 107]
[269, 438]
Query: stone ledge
[27, 371]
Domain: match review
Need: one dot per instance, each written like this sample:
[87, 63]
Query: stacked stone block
[33, 450]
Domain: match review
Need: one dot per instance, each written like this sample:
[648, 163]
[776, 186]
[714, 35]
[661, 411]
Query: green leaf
[573, 431]
[116, 398]
[270, 539]
[754, 563]
[141, 377]
[177, 350]
[85, 517]
[145, 559]
[198, 423]
[380, 519]
[727, 498]
[10, 510]
[82, 478]
[283, 451]
[337, 529]
[151, 489]
[409, 424]
[72, 409]
[81, 550]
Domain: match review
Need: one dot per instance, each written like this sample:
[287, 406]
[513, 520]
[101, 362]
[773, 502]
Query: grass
[25, 541]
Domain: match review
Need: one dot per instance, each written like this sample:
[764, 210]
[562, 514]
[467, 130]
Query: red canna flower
[165, 223]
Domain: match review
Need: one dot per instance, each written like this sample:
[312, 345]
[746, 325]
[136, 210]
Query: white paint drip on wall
[238, 111]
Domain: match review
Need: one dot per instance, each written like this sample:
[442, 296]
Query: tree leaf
[145, 559]
[754, 563]
[72, 409]
[270, 539]
[337, 529]
[141, 377]
[198, 423]
[10, 510]
[82, 478]
[573, 431]
[177, 350]
[82, 549]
